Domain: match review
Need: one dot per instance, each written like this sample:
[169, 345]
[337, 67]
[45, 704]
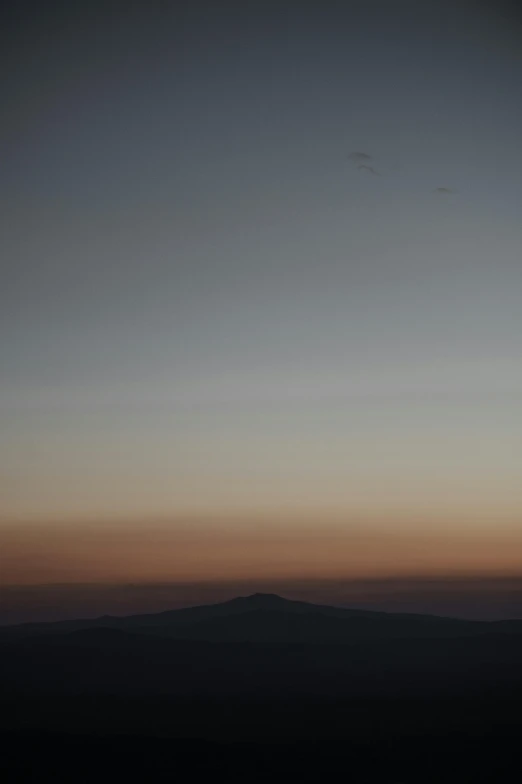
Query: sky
[231, 343]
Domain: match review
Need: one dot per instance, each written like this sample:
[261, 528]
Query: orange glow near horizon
[200, 551]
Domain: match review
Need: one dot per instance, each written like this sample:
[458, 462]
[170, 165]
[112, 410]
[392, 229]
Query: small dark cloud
[444, 190]
[359, 156]
[369, 169]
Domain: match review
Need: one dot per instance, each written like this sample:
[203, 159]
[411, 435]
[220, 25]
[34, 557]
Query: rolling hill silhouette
[261, 644]
[309, 687]
[271, 618]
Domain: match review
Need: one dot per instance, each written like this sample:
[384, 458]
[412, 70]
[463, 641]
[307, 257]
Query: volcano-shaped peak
[263, 600]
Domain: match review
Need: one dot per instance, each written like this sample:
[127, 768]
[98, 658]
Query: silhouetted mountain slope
[286, 691]
[251, 659]
[97, 661]
[270, 618]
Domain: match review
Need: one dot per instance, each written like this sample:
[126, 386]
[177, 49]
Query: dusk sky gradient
[219, 333]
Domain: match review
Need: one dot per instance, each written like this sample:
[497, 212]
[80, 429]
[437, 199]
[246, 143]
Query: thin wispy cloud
[444, 190]
[369, 169]
[359, 156]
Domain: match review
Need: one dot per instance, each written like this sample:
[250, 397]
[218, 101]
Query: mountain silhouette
[311, 688]
[261, 644]
[265, 617]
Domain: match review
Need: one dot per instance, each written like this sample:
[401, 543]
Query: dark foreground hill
[261, 688]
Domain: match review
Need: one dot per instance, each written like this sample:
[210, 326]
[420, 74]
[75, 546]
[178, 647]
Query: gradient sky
[210, 314]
